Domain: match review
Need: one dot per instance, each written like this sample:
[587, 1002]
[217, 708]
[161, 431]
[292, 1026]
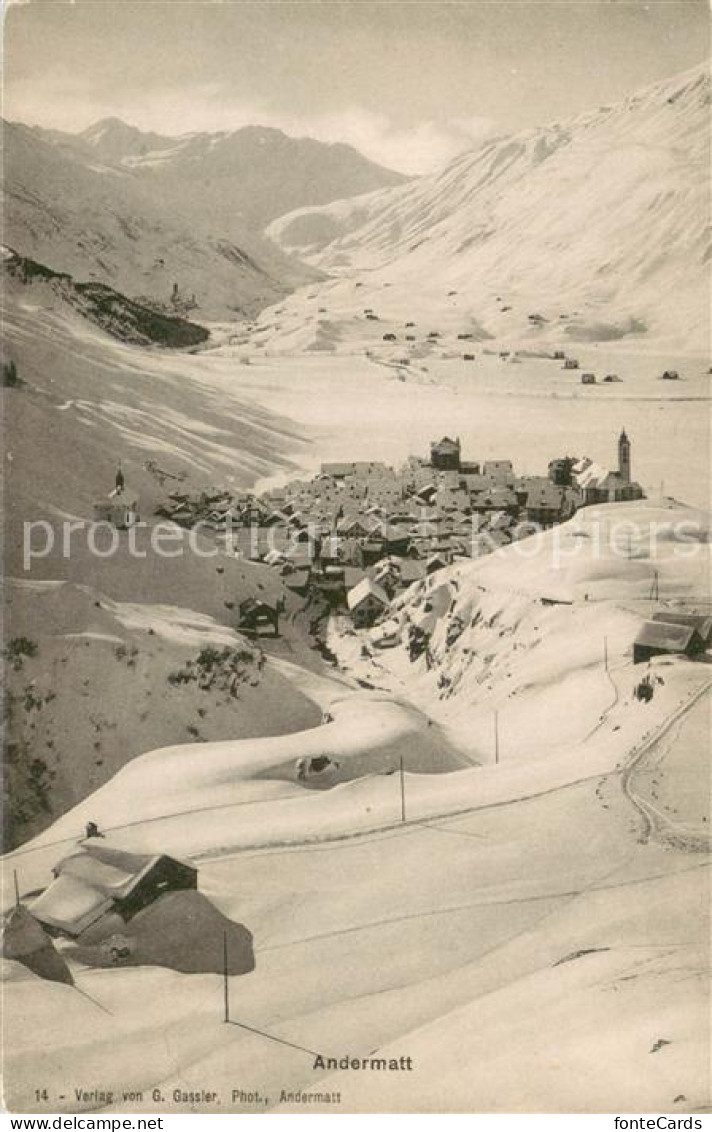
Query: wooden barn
[366, 602]
[255, 614]
[98, 880]
[699, 621]
[661, 638]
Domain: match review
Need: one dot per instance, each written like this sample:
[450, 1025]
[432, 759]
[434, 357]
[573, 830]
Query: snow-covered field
[358, 409]
[209, 415]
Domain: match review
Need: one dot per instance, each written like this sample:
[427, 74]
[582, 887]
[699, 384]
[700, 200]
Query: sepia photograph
[357, 603]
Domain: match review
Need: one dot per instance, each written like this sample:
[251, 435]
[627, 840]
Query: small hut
[699, 621]
[366, 602]
[657, 638]
[98, 880]
[256, 615]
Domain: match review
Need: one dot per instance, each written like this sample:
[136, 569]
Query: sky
[409, 82]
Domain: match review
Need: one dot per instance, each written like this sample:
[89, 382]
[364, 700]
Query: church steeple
[624, 457]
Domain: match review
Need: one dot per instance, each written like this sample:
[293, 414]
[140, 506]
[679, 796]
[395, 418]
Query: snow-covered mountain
[141, 212]
[111, 139]
[599, 224]
[251, 175]
[101, 223]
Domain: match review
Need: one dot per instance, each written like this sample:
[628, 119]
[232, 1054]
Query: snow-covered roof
[70, 904]
[363, 590]
[590, 474]
[698, 621]
[663, 635]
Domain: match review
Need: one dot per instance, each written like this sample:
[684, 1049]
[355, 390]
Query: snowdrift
[181, 930]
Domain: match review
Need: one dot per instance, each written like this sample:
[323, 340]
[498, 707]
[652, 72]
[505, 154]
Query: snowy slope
[86, 402]
[89, 401]
[433, 961]
[602, 219]
[72, 730]
[527, 631]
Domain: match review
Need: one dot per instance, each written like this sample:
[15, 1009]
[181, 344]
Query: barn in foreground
[661, 638]
[98, 880]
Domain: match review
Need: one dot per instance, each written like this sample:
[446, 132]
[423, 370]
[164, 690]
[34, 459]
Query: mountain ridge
[101, 224]
[269, 172]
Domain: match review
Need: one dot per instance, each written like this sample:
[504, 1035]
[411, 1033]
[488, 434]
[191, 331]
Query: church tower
[624, 457]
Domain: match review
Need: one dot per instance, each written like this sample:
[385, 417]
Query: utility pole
[402, 788]
[496, 737]
[226, 985]
[17, 888]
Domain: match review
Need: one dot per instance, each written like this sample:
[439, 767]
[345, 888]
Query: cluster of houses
[360, 532]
